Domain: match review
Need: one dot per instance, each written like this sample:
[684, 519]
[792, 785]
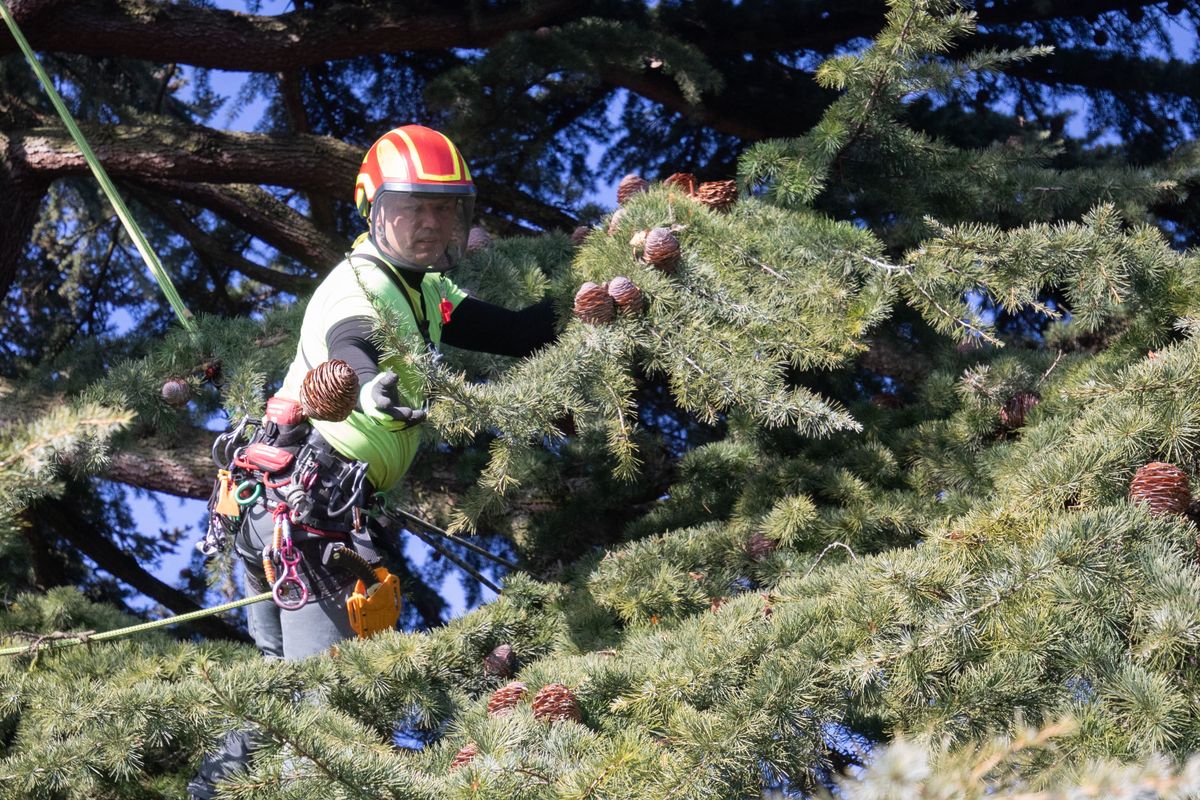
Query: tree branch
[206, 37]
[208, 246]
[76, 529]
[260, 214]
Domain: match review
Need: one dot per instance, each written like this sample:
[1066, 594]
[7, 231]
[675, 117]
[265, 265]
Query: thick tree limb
[208, 246]
[260, 214]
[20, 200]
[196, 153]
[230, 40]
[77, 530]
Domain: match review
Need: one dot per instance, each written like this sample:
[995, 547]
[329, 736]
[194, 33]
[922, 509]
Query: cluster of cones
[554, 702]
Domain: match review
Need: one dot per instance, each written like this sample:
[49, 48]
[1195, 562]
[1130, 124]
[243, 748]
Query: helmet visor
[421, 231]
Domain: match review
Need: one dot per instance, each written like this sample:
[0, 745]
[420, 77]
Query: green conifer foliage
[920, 577]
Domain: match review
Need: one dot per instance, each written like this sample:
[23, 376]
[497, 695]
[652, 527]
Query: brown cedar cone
[478, 239]
[1163, 486]
[555, 703]
[716, 604]
[506, 698]
[758, 547]
[1012, 416]
[579, 234]
[464, 755]
[683, 181]
[630, 185]
[614, 221]
[662, 250]
[626, 295]
[176, 392]
[593, 305]
[500, 662]
[718, 195]
[329, 391]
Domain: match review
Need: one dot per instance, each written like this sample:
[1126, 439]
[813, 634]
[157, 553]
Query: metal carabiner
[290, 557]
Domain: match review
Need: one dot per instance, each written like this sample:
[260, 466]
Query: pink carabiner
[289, 577]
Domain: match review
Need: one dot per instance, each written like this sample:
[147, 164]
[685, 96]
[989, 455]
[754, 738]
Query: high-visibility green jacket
[350, 292]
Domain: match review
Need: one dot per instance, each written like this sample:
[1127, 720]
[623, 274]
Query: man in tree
[416, 192]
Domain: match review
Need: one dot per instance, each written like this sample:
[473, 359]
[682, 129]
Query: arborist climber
[416, 193]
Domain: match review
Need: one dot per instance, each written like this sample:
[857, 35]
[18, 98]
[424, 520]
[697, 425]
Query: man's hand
[386, 398]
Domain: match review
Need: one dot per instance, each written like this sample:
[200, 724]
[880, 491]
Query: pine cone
[626, 295]
[630, 185]
[500, 662]
[329, 391]
[478, 239]
[715, 605]
[1012, 416]
[464, 755]
[554, 702]
[718, 195]
[662, 250]
[758, 547]
[593, 305]
[1164, 487]
[579, 234]
[683, 181]
[506, 698]
[614, 221]
[176, 392]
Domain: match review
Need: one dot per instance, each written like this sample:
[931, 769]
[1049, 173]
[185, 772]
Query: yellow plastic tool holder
[377, 608]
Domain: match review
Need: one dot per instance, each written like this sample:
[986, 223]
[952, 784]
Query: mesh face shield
[421, 231]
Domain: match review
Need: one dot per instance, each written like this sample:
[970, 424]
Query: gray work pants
[290, 635]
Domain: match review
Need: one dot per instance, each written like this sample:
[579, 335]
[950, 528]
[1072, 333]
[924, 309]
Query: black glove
[386, 398]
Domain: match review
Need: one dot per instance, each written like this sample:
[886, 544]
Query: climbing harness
[131, 227]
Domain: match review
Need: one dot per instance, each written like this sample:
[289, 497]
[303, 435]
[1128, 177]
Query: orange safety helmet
[407, 162]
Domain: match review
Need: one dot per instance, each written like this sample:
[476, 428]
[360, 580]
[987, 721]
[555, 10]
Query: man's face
[418, 229]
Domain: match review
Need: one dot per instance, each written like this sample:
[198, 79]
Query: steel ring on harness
[255, 492]
[290, 557]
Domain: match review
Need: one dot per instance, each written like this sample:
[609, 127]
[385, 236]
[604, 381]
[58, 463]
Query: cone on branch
[555, 702]
[759, 547]
[176, 392]
[478, 239]
[614, 222]
[626, 294]
[683, 181]
[593, 305]
[464, 756]
[1012, 416]
[661, 250]
[329, 391]
[718, 195]
[501, 662]
[630, 185]
[1161, 486]
[579, 234]
[506, 698]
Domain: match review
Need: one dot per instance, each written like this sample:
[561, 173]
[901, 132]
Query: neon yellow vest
[384, 443]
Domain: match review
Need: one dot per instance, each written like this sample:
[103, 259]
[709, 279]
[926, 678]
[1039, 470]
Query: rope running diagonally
[68, 641]
[131, 227]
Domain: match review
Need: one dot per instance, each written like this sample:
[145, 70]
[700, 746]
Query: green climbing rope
[131, 226]
[132, 629]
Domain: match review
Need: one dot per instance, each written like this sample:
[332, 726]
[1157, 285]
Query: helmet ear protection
[416, 161]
